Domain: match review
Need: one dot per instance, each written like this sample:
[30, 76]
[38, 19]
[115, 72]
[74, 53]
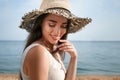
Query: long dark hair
[36, 33]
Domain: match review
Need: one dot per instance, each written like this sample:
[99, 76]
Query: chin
[54, 42]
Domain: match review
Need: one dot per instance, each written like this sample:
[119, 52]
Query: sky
[105, 16]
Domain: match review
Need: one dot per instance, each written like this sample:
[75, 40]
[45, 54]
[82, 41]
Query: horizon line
[68, 40]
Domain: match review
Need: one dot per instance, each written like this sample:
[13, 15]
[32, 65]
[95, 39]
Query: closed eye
[51, 24]
[64, 26]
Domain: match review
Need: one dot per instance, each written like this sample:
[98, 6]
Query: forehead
[56, 18]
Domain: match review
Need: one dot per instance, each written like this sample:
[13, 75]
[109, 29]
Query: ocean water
[94, 57]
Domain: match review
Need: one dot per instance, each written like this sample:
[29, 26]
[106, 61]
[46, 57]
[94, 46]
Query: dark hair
[36, 33]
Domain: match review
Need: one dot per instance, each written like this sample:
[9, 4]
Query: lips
[54, 37]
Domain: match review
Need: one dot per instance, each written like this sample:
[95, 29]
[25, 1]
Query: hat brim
[76, 24]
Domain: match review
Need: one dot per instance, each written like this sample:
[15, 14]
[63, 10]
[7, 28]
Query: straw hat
[58, 7]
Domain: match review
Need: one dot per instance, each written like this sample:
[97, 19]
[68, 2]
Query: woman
[46, 45]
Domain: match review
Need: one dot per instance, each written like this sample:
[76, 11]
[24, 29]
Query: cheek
[46, 29]
[63, 31]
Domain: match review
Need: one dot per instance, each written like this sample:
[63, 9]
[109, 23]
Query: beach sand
[98, 77]
[88, 77]
[9, 77]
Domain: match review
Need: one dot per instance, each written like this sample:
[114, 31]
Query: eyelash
[53, 25]
[64, 27]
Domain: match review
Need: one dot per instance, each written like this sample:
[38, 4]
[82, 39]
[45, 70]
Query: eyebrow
[56, 21]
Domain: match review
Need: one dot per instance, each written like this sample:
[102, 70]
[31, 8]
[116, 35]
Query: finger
[65, 48]
[63, 41]
[63, 44]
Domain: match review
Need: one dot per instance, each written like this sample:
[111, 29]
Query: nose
[57, 31]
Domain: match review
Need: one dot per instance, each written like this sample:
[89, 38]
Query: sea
[94, 57]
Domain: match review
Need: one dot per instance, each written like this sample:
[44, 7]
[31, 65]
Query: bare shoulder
[37, 62]
[38, 51]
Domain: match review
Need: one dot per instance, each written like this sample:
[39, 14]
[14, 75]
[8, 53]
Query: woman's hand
[68, 47]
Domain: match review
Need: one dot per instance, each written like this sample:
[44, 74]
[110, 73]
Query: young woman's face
[53, 28]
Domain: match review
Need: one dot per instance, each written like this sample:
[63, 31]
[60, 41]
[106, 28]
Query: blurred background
[98, 44]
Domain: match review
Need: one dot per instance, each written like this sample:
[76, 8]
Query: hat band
[59, 11]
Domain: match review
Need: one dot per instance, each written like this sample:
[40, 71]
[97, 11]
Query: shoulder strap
[27, 49]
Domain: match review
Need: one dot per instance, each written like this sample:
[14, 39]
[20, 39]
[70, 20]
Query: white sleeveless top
[56, 68]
